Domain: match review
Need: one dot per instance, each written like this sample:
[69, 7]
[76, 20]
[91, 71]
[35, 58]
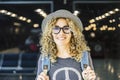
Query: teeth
[61, 38]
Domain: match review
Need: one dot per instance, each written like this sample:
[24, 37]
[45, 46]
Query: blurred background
[20, 31]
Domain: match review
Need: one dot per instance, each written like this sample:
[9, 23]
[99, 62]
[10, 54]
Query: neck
[63, 52]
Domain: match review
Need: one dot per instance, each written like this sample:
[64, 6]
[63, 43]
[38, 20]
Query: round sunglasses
[65, 29]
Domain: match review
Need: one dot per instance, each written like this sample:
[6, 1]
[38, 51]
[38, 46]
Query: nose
[61, 31]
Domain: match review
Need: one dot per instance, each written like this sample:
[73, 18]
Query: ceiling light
[3, 11]
[13, 15]
[36, 25]
[116, 9]
[29, 20]
[76, 13]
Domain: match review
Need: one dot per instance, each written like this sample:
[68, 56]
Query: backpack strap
[84, 61]
[45, 64]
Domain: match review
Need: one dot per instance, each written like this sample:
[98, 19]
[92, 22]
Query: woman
[62, 40]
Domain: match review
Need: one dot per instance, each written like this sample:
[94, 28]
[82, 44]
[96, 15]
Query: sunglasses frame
[63, 29]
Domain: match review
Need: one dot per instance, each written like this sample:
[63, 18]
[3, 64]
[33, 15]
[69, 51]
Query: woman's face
[61, 33]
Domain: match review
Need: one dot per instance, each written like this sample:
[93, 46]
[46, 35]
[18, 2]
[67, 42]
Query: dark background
[105, 44]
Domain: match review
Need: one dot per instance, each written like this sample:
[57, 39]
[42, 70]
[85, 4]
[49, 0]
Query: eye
[56, 28]
[66, 28]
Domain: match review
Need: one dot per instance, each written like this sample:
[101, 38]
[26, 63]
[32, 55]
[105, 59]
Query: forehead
[61, 21]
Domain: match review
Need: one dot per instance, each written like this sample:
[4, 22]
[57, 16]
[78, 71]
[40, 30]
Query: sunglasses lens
[66, 30]
[56, 30]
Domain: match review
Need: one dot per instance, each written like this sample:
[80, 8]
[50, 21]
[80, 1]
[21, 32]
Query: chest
[65, 69]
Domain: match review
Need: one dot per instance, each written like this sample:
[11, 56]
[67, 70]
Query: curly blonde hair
[77, 42]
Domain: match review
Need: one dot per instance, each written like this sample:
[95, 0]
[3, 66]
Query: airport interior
[20, 32]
